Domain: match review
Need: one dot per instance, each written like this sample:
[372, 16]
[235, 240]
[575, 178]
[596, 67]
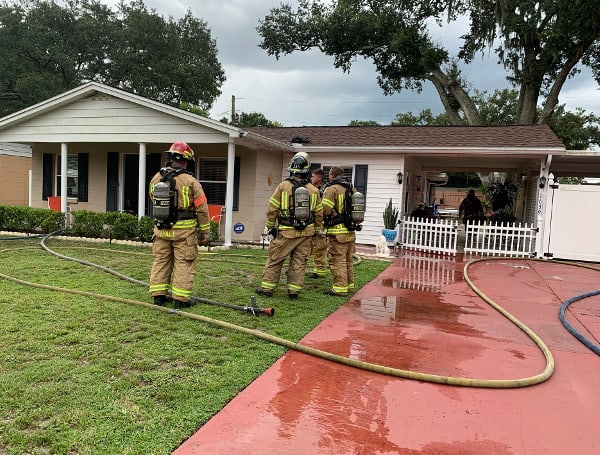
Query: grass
[85, 375]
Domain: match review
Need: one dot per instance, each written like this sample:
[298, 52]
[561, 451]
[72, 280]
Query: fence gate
[571, 223]
[427, 234]
[500, 239]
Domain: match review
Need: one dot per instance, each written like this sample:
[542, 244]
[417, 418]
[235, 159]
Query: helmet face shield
[180, 151]
[300, 164]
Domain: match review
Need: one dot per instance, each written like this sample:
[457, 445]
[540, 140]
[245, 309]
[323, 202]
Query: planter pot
[389, 234]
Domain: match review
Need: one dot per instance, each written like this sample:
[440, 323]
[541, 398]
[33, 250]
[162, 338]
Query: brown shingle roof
[511, 136]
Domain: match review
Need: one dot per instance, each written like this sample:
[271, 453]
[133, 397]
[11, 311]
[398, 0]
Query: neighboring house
[15, 166]
[100, 146]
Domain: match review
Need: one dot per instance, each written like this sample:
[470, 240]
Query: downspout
[141, 210]
[541, 215]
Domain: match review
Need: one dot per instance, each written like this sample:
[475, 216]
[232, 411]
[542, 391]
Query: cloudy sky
[306, 89]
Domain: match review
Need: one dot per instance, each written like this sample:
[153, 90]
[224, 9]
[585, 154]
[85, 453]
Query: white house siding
[382, 184]
[103, 118]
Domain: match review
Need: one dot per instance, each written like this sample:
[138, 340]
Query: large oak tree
[538, 43]
[46, 49]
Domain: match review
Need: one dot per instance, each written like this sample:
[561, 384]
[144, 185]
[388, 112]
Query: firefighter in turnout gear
[182, 221]
[319, 242]
[293, 214]
[341, 238]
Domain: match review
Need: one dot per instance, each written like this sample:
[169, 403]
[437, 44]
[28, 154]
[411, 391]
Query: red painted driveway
[420, 315]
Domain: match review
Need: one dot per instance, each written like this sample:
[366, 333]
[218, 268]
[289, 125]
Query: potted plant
[390, 220]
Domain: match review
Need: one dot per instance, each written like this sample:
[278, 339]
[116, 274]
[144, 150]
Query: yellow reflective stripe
[185, 196]
[185, 224]
[337, 229]
[159, 287]
[267, 285]
[285, 201]
[205, 226]
[270, 224]
[181, 292]
[293, 287]
[329, 203]
[340, 202]
[274, 202]
[340, 289]
[152, 188]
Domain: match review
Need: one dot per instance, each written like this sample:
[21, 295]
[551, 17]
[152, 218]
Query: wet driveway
[420, 315]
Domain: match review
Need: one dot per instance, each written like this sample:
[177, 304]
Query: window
[357, 175]
[213, 177]
[347, 172]
[77, 176]
[72, 176]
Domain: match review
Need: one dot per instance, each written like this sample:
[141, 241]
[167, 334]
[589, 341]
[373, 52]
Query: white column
[142, 181]
[63, 177]
[541, 212]
[229, 192]
[30, 185]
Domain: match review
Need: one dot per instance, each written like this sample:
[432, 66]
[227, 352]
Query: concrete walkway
[420, 315]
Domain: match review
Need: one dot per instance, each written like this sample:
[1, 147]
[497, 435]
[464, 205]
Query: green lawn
[86, 375]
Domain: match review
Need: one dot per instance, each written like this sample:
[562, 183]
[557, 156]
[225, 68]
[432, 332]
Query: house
[15, 167]
[100, 146]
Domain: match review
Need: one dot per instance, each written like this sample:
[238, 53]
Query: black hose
[253, 309]
[570, 328]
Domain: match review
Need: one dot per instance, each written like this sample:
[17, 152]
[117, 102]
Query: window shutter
[360, 177]
[82, 177]
[236, 183]
[46, 175]
[112, 181]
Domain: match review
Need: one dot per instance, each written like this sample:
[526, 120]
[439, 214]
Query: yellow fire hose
[425, 377]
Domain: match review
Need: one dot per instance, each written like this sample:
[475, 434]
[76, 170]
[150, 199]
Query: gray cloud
[306, 89]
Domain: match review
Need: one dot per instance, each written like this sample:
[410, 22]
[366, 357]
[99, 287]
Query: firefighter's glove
[202, 238]
[273, 232]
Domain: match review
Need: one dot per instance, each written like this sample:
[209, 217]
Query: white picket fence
[503, 239]
[441, 237]
[425, 234]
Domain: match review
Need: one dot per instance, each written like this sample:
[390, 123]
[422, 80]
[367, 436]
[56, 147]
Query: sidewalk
[420, 315]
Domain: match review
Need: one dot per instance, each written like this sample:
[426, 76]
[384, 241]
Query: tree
[363, 123]
[250, 119]
[47, 49]
[539, 44]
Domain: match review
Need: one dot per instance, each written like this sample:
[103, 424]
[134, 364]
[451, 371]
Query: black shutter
[47, 159]
[112, 181]
[236, 183]
[82, 176]
[360, 177]
[314, 166]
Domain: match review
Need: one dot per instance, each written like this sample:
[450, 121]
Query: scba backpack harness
[165, 200]
[353, 214]
[300, 214]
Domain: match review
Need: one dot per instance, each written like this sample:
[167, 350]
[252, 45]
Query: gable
[101, 117]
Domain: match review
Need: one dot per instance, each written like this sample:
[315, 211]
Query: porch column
[229, 191]
[142, 181]
[542, 191]
[63, 177]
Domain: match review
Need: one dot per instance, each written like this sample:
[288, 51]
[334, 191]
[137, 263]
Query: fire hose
[425, 377]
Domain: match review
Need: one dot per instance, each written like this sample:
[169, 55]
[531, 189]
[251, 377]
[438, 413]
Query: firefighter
[181, 223]
[341, 240]
[294, 213]
[319, 242]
